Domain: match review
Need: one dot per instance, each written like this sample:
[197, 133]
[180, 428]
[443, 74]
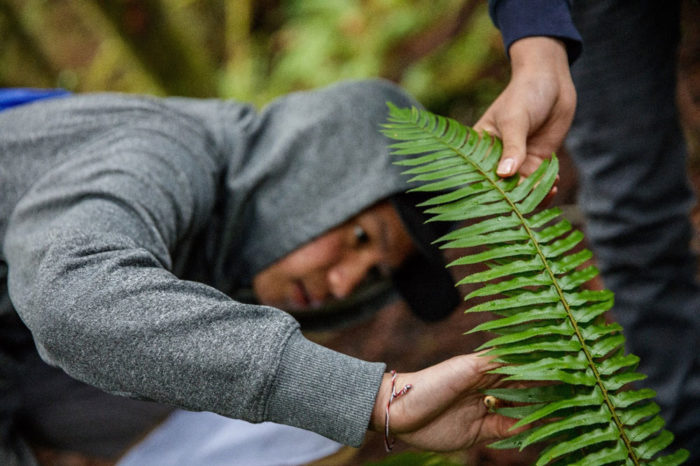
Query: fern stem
[577, 331]
[589, 357]
[506, 217]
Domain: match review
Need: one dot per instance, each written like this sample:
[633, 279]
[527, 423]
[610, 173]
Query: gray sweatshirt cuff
[324, 391]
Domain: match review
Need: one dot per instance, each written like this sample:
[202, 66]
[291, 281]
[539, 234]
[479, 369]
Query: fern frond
[550, 328]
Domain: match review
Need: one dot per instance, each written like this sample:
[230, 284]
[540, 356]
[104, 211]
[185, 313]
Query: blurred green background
[445, 52]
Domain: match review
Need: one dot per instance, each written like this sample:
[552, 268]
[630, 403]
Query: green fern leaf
[534, 271]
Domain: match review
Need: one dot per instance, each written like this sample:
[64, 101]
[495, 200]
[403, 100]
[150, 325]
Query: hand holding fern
[534, 112]
[444, 409]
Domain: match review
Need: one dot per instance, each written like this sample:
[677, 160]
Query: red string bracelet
[389, 443]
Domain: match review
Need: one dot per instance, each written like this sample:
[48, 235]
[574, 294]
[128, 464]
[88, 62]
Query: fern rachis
[550, 328]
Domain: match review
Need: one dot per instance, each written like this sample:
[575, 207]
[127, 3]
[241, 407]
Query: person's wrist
[378, 411]
[394, 393]
[538, 52]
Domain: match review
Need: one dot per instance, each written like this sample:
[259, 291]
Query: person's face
[332, 265]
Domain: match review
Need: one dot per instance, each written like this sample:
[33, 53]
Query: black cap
[423, 281]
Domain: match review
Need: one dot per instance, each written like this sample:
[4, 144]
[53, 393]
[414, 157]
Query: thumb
[514, 136]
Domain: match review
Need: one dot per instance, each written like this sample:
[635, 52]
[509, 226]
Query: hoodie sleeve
[517, 20]
[89, 255]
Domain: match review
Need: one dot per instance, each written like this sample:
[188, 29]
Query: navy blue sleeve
[518, 19]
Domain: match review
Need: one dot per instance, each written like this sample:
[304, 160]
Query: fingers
[497, 427]
[513, 128]
[530, 165]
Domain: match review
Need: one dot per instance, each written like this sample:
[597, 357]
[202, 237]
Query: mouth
[302, 298]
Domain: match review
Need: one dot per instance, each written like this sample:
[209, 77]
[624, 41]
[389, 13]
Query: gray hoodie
[127, 223]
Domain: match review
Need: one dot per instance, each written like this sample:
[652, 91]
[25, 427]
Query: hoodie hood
[309, 161]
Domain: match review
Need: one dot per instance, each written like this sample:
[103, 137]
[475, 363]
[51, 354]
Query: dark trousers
[631, 156]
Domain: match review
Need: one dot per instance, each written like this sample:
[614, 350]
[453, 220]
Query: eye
[361, 236]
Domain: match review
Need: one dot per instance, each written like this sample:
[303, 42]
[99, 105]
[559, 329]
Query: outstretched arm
[443, 410]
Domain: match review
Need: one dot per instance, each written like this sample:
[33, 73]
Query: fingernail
[505, 167]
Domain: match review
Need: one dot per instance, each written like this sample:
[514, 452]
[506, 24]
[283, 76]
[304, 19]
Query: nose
[344, 277]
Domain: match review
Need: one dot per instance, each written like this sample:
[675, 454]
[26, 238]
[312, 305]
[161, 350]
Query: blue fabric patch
[12, 97]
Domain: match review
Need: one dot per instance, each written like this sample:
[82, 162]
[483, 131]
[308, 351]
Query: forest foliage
[446, 52]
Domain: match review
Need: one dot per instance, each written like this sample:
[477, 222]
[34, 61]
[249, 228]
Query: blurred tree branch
[239, 60]
[421, 44]
[32, 51]
[157, 41]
